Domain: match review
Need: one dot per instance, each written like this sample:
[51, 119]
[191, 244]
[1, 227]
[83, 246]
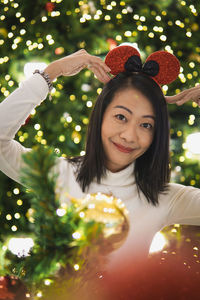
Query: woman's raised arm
[72, 64]
[15, 109]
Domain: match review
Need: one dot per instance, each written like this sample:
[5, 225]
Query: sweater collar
[121, 178]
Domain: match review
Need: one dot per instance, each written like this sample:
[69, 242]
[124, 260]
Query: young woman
[127, 149]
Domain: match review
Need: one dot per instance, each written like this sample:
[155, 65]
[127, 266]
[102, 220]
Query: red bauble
[163, 276]
[112, 43]
[4, 292]
[49, 6]
[12, 288]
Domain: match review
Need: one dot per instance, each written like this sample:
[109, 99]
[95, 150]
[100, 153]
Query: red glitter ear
[167, 70]
[117, 57]
[169, 66]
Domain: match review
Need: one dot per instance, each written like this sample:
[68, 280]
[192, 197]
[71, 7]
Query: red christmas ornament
[112, 43]
[59, 50]
[4, 292]
[49, 6]
[162, 276]
[12, 288]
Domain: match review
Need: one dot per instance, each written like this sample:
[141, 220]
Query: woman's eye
[147, 125]
[121, 117]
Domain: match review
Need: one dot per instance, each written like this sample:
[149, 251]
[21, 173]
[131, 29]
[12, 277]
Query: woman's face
[127, 129]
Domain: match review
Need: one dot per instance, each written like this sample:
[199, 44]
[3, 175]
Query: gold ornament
[107, 210]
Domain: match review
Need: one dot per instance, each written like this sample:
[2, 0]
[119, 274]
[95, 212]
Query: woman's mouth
[122, 148]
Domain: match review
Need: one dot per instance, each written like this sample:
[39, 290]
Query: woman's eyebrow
[124, 107]
[127, 109]
[149, 116]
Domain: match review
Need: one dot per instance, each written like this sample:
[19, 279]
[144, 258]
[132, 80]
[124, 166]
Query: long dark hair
[152, 171]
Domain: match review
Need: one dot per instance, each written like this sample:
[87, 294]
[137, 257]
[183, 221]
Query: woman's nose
[129, 134]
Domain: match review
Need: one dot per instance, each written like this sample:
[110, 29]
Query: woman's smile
[122, 148]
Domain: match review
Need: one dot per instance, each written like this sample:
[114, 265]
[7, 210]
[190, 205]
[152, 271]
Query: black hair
[152, 169]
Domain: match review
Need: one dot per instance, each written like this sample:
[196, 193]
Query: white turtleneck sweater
[180, 204]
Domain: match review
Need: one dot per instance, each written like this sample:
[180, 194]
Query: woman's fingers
[100, 74]
[99, 68]
[96, 62]
[192, 94]
[176, 98]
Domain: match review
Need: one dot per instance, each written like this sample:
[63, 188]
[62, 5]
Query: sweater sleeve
[183, 205]
[14, 110]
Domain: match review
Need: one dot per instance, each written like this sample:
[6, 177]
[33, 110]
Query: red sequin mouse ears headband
[161, 66]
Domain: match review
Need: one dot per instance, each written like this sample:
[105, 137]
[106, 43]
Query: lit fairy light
[69, 119]
[78, 128]
[29, 68]
[39, 294]
[118, 38]
[163, 37]
[193, 142]
[151, 35]
[109, 7]
[140, 27]
[189, 34]
[128, 33]
[19, 202]
[60, 212]
[14, 228]
[37, 126]
[99, 12]
[99, 90]
[17, 216]
[96, 17]
[8, 217]
[89, 103]
[165, 88]
[76, 235]
[113, 3]
[158, 243]
[16, 191]
[136, 17]
[20, 246]
[47, 282]
[82, 214]
[44, 19]
[28, 295]
[48, 37]
[82, 153]
[86, 87]
[76, 267]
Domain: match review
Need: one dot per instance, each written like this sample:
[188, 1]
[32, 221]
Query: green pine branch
[54, 245]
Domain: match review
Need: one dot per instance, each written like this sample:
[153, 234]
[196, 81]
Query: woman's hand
[192, 94]
[72, 64]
